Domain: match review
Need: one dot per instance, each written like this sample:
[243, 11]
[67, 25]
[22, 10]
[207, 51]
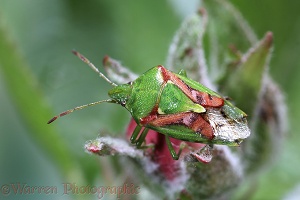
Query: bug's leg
[175, 155]
[134, 139]
[142, 137]
[135, 134]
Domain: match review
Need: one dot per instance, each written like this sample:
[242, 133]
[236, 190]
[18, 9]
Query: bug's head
[121, 93]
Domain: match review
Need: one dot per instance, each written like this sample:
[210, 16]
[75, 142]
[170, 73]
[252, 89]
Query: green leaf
[226, 28]
[244, 84]
[31, 105]
[186, 50]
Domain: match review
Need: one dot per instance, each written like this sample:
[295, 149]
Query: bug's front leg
[142, 137]
[175, 155]
[138, 141]
[135, 133]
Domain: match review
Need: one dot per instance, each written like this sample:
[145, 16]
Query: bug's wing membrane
[226, 128]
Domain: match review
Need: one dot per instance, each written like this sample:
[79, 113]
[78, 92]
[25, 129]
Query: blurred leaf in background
[39, 77]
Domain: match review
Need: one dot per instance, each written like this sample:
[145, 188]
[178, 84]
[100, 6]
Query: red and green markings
[175, 103]
[175, 106]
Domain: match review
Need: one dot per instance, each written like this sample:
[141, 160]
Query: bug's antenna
[84, 59]
[79, 108]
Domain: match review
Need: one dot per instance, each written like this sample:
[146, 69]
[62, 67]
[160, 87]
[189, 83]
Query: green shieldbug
[175, 106]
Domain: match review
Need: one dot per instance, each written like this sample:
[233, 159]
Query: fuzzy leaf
[244, 85]
[186, 50]
[270, 126]
[226, 28]
[217, 179]
[116, 72]
[104, 146]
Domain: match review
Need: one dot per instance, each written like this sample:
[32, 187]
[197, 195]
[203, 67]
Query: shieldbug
[176, 106]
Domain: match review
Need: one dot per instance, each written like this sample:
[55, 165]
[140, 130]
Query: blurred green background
[39, 77]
